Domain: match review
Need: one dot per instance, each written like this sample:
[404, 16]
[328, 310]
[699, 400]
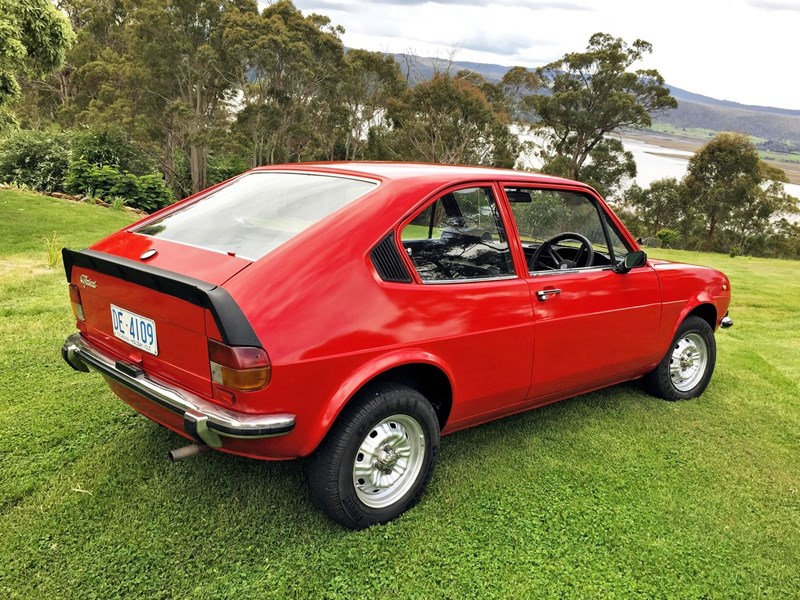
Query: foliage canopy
[34, 37]
[590, 95]
[730, 200]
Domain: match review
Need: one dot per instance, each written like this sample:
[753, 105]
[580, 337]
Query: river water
[651, 164]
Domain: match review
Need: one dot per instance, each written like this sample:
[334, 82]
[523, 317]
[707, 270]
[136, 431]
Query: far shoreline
[672, 142]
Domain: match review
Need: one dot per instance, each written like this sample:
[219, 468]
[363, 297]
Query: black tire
[399, 418]
[694, 336]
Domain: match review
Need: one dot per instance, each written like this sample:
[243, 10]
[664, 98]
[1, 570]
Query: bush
[145, 192]
[667, 236]
[112, 148]
[224, 166]
[36, 159]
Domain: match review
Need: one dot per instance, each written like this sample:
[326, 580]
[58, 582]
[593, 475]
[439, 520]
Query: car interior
[461, 235]
[562, 230]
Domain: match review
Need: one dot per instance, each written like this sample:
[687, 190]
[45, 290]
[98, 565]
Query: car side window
[562, 230]
[459, 237]
[619, 246]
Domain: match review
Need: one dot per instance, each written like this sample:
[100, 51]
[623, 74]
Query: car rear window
[257, 212]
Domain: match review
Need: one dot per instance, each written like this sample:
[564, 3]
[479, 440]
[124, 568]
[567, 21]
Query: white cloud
[775, 5]
[349, 6]
[741, 50]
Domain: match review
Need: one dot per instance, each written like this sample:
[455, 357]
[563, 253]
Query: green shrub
[667, 236]
[145, 192]
[224, 166]
[36, 159]
[52, 248]
[112, 148]
[116, 202]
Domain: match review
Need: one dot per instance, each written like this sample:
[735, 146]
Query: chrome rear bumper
[202, 420]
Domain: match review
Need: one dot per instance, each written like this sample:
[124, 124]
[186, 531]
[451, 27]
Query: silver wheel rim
[388, 461]
[688, 362]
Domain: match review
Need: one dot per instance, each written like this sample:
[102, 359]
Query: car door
[593, 325]
[472, 308]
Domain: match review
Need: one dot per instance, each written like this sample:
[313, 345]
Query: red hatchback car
[354, 312]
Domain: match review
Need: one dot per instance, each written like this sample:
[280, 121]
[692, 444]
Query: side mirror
[631, 261]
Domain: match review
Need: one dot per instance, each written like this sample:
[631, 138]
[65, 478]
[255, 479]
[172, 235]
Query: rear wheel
[686, 369]
[375, 462]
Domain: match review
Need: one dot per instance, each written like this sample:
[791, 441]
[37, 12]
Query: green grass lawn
[689, 132]
[612, 494]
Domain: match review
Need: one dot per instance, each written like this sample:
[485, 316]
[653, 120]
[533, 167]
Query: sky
[741, 50]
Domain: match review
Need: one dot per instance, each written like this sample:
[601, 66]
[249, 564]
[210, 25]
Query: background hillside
[778, 128]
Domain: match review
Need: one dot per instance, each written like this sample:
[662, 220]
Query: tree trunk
[712, 224]
[64, 85]
[198, 167]
[168, 164]
[198, 150]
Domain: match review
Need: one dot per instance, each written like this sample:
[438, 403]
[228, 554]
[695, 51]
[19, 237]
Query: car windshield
[257, 212]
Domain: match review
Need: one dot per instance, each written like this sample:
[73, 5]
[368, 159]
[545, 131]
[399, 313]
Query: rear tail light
[242, 368]
[75, 300]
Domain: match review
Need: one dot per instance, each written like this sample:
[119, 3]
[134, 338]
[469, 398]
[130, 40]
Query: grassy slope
[609, 494]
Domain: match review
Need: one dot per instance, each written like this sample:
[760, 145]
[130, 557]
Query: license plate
[134, 329]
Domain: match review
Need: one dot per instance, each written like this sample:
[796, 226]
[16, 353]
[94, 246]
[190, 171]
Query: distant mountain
[779, 126]
[421, 68]
[683, 95]
[781, 130]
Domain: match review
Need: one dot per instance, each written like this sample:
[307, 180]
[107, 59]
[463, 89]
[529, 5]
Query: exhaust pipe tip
[186, 452]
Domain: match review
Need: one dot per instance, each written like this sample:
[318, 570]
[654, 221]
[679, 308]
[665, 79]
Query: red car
[354, 312]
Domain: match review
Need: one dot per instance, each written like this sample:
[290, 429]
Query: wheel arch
[706, 311]
[428, 379]
[701, 305]
[420, 370]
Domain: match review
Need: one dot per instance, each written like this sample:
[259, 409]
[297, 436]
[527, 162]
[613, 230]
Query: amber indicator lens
[242, 368]
[75, 301]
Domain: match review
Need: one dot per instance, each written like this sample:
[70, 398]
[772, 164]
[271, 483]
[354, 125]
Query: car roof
[390, 171]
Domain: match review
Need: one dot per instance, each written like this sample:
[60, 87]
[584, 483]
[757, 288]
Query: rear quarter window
[258, 212]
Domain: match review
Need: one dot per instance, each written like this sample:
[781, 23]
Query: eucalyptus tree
[34, 38]
[510, 92]
[591, 94]
[294, 64]
[185, 47]
[659, 206]
[449, 119]
[369, 82]
[93, 75]
[733, 193]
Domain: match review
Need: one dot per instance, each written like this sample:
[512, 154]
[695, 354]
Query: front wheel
[686, 369]
[375, 462]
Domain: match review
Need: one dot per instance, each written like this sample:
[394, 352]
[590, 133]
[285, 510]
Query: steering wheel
[546, 250]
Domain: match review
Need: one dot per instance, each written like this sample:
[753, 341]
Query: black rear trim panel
[231, 321]
[387, 262]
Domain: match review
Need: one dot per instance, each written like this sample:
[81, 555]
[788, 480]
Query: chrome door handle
[545, 294]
